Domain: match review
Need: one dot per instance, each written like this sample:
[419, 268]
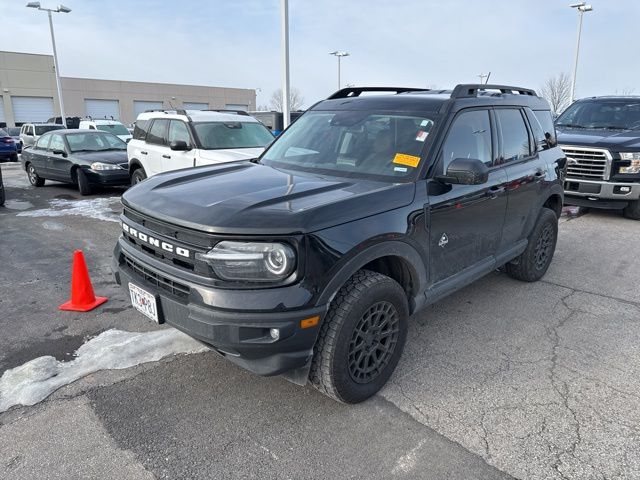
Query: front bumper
[241, 335]
[111, 178]
[599, 193]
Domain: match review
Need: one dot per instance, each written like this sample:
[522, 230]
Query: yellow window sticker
[408, 160]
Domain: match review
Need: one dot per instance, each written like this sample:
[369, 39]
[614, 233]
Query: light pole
[339, 55]
[582, 7]
[59, 9]
[284, 15]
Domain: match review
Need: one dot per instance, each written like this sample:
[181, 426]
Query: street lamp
[581, 7]
[339, 55]
[59, 9]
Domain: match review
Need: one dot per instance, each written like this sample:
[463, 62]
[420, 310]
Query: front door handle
[143, 153]
[166, 156]
[494, 191]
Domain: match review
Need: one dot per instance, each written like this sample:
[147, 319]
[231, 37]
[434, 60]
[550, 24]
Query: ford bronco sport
[308, 261]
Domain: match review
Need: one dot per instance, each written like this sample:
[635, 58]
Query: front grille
[587, 163]
[175, 288]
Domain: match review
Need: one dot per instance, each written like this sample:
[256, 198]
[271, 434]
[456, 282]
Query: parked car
[30, 132]
[14, 132]
[308, 261]
[111, 126]
[172, 140]
[1, 189]
[601, 139]
[84, 157]
[8, 147]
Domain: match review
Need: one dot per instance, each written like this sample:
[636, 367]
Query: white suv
[111, 126]
[171, 140]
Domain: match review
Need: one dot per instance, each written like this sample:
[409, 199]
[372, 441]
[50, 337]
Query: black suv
[309, 260]
[601, 139]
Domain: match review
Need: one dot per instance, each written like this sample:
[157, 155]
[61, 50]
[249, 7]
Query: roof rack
[472, 89]
[226, 110]
[356, 91]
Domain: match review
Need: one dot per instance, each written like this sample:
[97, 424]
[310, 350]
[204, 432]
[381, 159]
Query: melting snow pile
[98, 208]
[35, 380]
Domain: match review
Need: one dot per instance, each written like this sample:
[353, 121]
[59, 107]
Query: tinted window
[43, 142]
[57, 143]
[546, 122]
[536, 129]
[178, 131]
[140, 129]
[157, 132]
[602, 113]
[514, 134]
[469, 137]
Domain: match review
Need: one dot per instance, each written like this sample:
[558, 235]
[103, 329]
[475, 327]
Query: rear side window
[514, 134]
[469, 137]
[157, 132]
[546, 122]
[140, 130]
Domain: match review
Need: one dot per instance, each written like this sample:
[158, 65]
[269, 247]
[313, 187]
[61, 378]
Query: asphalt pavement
[501, 380]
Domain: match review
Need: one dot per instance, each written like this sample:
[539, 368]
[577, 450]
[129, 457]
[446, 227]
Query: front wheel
[632, 210]
[138, 176]
[533, 263]
[361, 339]
[84, 187]
[14, 157]
[34, 178]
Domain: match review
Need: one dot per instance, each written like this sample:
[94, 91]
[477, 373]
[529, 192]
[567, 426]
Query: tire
[1, 195]
[138, 176]
[84, 187]
[14, 157]
[34, 178]
[632, 210]
[366, 297]
[533, 263]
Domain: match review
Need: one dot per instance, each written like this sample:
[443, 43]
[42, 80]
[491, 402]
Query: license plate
[144, 302]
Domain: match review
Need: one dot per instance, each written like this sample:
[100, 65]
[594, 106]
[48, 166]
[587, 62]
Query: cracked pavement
[503, 379]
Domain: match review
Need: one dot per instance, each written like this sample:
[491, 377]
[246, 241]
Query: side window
[57, 143]
[178, 131]
[536, 128]
[514, 135]
[546, 122]
[43, 142]
[469, 137]
[30, 130]
[157, 132]
[140, 129]
[92, 127]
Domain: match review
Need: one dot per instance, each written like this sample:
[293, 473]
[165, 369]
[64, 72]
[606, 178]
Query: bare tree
[557, 91]
[295, 100]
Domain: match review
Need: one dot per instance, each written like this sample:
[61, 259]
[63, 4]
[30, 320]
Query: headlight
[251, 261]
[634, 158]
[104, 166]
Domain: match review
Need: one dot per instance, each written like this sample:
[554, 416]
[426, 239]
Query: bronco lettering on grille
[143, 237]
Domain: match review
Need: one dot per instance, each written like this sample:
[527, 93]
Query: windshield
[218, 135]
[353, 144]
[94, 142]
[13, 131]
[622, 114]
[116, 129]
[41, 129]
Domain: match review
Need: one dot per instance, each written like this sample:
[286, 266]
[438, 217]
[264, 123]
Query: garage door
[237, 106]
[140, 106]
[32, 109]
[2, 120]
[195, 106]
[102, 108]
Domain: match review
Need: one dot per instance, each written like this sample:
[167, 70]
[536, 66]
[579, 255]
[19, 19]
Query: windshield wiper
[569, 125]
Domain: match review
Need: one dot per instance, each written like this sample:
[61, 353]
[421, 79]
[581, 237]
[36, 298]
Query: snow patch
[35, 380]
[98, 208]
[18, 204]
[55, 226]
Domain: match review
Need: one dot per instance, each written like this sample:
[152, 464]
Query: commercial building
[28, 94]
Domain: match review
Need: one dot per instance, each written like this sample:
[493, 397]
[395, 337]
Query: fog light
[275, 333]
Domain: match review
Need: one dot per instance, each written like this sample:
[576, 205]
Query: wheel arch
[134, 164]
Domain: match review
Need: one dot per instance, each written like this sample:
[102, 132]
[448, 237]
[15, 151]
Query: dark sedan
[85, 158]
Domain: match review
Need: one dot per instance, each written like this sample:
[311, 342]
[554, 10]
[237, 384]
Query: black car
[83, 157]
[308, 261]
[601, 139]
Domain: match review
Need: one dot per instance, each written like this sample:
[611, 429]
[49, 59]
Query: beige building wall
[23, 74]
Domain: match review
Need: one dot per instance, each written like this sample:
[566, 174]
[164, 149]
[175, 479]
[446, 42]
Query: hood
[609, 139]
[247, 198]
[110, 156]
[124, 138]
[228, 155]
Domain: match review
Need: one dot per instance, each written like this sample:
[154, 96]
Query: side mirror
[465, 171]
[59, 152]
[180, 146]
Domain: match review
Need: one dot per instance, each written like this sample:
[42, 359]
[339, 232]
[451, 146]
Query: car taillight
[7, 140]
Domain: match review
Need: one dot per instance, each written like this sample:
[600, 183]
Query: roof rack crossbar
[357, 91]
[226, 110]
[467, 90]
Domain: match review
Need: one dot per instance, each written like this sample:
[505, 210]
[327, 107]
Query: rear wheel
[34, 178]
[361, 339]
[632, 210]
[14, 157]
[138, 176]
[533, 263]
[83, 182]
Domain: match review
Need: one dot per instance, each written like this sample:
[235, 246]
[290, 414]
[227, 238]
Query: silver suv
[30, 132]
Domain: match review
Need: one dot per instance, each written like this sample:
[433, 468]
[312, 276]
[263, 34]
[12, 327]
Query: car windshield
[116, 129]
[13, 131]
[42, 129]
[383, 146]
[221, 135]
[614, 114]
[94, 142]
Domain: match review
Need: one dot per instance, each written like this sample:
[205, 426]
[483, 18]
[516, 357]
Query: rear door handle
[166, 156]
[143, 153]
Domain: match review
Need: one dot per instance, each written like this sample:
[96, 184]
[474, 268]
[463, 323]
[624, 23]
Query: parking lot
[502, 379]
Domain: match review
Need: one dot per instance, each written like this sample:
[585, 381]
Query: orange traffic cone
[82, 297]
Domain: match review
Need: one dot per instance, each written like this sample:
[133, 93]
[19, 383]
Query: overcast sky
[236, 43]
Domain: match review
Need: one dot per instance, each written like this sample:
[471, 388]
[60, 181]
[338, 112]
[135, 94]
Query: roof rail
[467, 90]
[356, 91]
[226, 110]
